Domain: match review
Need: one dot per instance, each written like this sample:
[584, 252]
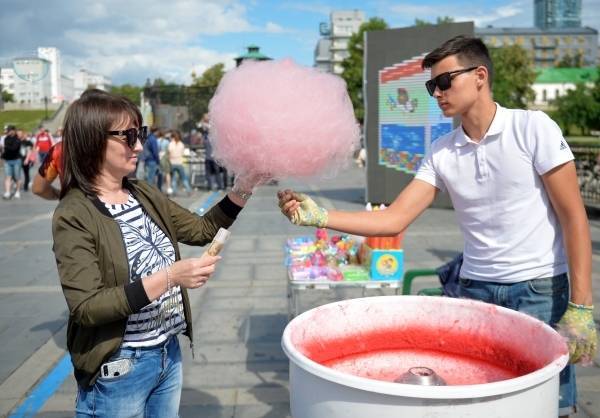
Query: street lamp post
[46, 107]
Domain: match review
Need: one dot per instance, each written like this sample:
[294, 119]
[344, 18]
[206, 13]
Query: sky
[134, 40]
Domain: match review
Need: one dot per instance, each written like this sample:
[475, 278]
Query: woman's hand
[193, 273]
[301, 209]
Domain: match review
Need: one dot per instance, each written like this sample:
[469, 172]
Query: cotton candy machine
[417, 356]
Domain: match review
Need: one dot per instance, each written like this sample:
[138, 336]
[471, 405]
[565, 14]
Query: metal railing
[587, 162]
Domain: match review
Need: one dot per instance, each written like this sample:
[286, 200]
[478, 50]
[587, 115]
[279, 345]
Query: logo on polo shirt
[563, 144]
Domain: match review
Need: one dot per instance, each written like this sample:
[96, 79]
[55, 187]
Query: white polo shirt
[510, 229]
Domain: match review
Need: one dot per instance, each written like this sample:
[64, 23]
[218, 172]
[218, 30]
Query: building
[553, 14]
[52, 55]
[31, 82]
[253, 54]
[323, 55]
[552, 83]
[332, 47]
[7, 79]
[84, 79]
[547, 47]
[67, 88]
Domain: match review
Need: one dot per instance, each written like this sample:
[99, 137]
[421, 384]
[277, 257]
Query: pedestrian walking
[176, 152]
[11, 154]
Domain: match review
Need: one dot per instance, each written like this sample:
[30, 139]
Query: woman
[115, 242]
[176, 149]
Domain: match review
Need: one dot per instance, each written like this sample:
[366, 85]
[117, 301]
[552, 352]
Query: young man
[512, 181]
[11, 154]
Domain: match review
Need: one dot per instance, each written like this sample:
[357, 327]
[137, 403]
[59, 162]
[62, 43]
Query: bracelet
[241, 194]
[168, 270]
[587, 307]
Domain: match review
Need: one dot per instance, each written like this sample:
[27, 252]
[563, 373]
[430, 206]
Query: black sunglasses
[132, 135]
[444, 80]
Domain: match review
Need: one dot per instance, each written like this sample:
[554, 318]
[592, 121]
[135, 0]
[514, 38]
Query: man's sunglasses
[132, 135]
[444, 80]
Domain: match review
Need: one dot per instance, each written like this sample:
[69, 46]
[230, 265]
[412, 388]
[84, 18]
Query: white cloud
[131, 40]
[317, 8]
[274, 28]
[481, 16]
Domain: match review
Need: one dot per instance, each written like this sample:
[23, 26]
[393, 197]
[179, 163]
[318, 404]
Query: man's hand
[301, 209]
[578, 327]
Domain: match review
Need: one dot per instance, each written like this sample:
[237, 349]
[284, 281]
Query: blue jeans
[152, 387]
[151, 169]
[545, 299]
[180, 170]
[12, 168]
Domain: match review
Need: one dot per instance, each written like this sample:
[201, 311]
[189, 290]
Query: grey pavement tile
[275, 271]
[275, 289]
[243, 302]
[206, 411]
[226, 352]
[263, 411]
[235, 375]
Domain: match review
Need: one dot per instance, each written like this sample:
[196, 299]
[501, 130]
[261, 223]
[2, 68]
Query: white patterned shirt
[149, 250]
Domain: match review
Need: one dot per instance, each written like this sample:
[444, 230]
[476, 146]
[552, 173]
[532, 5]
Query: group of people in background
[163, 159]
[20, 151]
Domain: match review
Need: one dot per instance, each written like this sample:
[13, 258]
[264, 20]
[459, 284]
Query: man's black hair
[469, 52]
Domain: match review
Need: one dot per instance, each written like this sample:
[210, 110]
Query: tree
[353, 64]
[7, 97]
[576, 108]
[595, 113]
[203, 88]
[579, 108]
[513, 76]
[130, 91]
[567, 61]
[211, 77]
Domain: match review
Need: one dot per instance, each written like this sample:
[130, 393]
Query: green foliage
[130, 91]
[353, 65]
[439, 21]
[211, 77]
[513, 76]
[579, 108]
[568, 61]
[195, 96]
[28, 120]
[203, 88]
[7, 97]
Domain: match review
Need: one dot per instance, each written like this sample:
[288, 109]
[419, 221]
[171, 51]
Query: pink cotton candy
[283, 120]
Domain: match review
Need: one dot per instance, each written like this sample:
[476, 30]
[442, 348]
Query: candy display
[332, 258]
[281, 119]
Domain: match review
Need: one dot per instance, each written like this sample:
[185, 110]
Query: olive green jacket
[94, 271]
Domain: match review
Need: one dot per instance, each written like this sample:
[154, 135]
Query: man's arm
[409, 204]
[563, 190]
[44, 189]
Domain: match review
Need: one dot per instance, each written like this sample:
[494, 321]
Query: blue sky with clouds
[133, 40]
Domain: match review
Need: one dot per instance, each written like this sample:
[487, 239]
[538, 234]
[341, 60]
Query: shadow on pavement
[53, 327]
[266, 359]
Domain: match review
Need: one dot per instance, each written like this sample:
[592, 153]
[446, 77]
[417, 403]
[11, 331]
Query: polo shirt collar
[496, 127]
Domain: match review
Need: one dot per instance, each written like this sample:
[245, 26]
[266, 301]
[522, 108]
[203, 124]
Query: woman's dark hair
[87, 122]
[469, 52]
[175, 134]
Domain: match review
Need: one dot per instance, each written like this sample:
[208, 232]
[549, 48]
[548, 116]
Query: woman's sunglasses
[132, 135]
[444, 80]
